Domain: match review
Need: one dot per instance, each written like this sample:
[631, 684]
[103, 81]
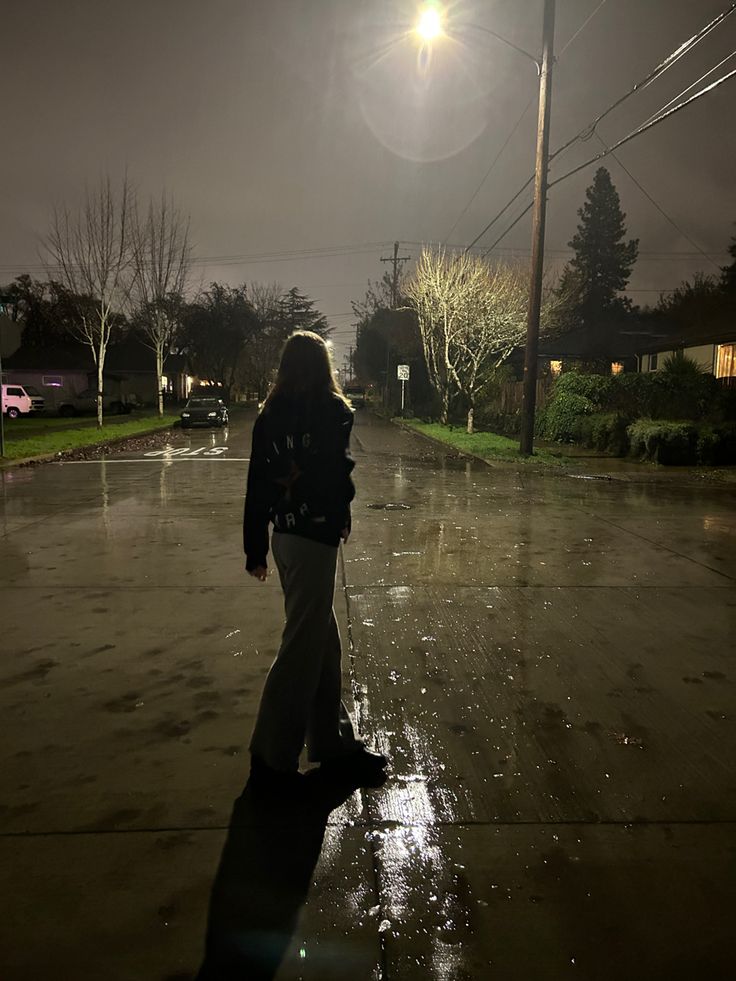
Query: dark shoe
[263, 778]
[361, 768]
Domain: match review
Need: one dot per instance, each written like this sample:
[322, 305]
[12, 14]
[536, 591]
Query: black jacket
[299, 474]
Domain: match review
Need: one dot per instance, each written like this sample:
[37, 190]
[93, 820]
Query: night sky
[286, 126]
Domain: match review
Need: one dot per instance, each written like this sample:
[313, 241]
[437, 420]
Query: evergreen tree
[603, 261]
[296, 312]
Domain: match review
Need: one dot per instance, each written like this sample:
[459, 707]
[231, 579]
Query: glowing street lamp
[429, 27]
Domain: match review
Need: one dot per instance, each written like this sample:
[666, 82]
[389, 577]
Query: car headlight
[211, 415]
[185, 415]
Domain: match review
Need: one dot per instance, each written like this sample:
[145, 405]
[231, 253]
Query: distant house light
[52, 381]
[616, 368]
[726, 361]
[555, 368]
[165, 382]
[190, 382]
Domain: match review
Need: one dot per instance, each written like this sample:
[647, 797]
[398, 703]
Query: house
[581, 348]
[714, 349]
[643, 344]
[64, 371]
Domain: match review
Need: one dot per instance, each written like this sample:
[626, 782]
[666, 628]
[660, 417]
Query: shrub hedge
[676, 443]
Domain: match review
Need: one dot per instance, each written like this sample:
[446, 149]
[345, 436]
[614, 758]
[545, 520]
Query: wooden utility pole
[395, 259]
[526, 443]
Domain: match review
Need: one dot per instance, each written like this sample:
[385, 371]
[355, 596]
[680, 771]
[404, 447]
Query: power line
[692, 85]
[588, 130]
[658, 206]
[515, 127]
[490, 169]
[660, 69]
[289, 255]
[637, 132]
[581, 28]
[646, 126]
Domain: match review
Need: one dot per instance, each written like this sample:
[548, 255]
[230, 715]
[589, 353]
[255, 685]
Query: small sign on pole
[402, 373]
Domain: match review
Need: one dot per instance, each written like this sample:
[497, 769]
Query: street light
[539, 215]
[429, 25]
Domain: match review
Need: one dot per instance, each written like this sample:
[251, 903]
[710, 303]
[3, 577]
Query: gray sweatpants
[302, 697]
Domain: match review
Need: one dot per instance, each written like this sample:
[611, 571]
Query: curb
[62, 456]
[663, 479]
[493, 464]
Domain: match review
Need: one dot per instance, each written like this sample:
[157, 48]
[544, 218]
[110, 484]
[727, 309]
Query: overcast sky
[288, 126]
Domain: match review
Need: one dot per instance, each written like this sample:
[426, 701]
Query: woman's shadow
[263, 878]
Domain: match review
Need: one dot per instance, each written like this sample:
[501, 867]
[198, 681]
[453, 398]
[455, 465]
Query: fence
[512, 394]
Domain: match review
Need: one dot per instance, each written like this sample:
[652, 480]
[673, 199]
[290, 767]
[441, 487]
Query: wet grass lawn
[39, 436]
[488, 446]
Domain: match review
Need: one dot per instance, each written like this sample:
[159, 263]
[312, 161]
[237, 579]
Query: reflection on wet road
[548, 662]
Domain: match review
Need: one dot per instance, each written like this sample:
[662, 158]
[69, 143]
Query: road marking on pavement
[159, 459]
[187, 451]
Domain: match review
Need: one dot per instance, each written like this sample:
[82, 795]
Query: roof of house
[130, 356]
[641, 334]
[583, 344]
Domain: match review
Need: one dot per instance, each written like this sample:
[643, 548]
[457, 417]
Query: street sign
[402, 372]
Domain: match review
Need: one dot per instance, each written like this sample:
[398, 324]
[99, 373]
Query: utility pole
[526, 443]
[395, 259]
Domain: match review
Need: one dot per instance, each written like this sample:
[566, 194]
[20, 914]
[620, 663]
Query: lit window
[165, 382]
[52, 381]
[726, 361]
[555, 368]
[616, 368]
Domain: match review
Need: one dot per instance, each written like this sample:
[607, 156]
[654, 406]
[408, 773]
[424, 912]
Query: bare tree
[90, 250]
[162, 257]
[471, 315]
[261, 353]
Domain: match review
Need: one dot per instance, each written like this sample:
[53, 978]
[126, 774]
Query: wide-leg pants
[302, 696]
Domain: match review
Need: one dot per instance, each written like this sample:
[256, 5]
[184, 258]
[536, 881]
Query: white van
[20, 400]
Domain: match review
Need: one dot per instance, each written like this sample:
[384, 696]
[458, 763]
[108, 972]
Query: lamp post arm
[510, 44]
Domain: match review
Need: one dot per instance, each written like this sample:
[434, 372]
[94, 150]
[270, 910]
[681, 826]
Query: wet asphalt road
[549, 662]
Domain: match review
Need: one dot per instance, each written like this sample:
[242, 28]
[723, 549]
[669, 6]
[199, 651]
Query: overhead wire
[580, 30]
[609, 150]
[490, 169]
[644, 127]
[589, 129]
[658, 206]
[692, 85]
[516, 125]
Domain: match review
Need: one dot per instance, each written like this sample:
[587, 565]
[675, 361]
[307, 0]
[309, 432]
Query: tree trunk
[445, 406]
[159, 378]
[100, 366]
[470, 420]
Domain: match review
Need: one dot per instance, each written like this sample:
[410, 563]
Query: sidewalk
[548, 663]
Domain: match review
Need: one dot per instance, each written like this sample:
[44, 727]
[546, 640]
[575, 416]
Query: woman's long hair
[305, 371]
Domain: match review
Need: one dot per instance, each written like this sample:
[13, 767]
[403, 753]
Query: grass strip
[488, 446]
[58, 441]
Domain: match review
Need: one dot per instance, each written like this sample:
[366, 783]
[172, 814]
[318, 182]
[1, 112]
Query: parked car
[21, 400]
[207, 412]
[86, 401]
[357, 395]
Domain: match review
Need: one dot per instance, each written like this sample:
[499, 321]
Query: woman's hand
[345, 534]
[260, 572]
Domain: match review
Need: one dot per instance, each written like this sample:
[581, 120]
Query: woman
[299, 481]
